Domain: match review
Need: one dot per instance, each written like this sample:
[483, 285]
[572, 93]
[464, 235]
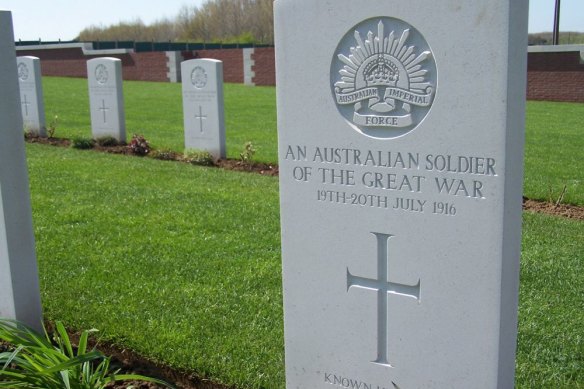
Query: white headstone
[202, 88]
[400, 141]
[106, 98]
[19, 285]
[31, 94]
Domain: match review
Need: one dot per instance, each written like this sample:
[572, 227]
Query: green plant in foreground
[34, 361]
[52, 127]
[248, 152]
[560, 198]
[198, 157]
[29, 134]
[82, 143]
[107, 141]
[164, 154]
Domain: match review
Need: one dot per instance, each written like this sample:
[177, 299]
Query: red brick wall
[60, 62]
[555, 76]
[232, 62]
[72, 62]
[265, 66]
[151, 66]
[145, 66]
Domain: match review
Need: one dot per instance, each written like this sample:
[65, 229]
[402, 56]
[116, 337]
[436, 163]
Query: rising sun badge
[383, 84]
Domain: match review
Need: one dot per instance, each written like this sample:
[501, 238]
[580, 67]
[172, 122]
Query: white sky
[63, 19]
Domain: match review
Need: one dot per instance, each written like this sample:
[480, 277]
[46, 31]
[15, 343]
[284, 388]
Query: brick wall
[232, 62]
[265, 66]
[555, 75]
[145, 66]
[72, 62]
[60, 62]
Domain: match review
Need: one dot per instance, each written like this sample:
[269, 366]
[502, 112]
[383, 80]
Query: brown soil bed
[564, 210]
[229, 164]
[132, 363]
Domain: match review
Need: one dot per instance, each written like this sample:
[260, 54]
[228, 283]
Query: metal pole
[556, 37]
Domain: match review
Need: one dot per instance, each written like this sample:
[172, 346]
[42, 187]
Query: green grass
[182, 264]
[551, 310]
[177, 262]
[553, 152]
[554, 155]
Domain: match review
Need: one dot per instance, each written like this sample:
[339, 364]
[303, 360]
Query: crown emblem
[381, 72]
[383, 85]
[199, 77]
[101, 74]
[22, 71]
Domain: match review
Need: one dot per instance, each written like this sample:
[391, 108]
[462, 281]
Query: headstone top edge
[205, 59]
[112, 59]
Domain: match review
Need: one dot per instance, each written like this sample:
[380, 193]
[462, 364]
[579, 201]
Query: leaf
[76, 361]
[64, 338]
[65, 377]
[137, 377]
[82, 343]
[10, 357]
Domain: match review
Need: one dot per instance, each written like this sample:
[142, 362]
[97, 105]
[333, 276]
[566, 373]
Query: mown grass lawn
[182, 264]
[177, 262]
[553, 150]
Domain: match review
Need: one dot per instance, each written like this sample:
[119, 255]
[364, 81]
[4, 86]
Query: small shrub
[40, 361]
[30, 134]
[248, 152]
[139, 145]
[82, 143]
[198, 157]
[557, 201]
[52, 127]
[107, 141]
[164, 154]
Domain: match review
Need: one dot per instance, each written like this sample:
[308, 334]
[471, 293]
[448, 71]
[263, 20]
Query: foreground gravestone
[202, 89]
[31, 94]
[106, 98]
[19, 285]
[400, 141]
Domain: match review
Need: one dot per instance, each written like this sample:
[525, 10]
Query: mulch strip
[131, 363]
[228, 164]
[563, 210]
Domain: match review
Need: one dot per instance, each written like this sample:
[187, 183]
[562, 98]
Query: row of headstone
[202, 90]
[31, 95]
[106, 98]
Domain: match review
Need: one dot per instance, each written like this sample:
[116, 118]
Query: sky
[51, 20]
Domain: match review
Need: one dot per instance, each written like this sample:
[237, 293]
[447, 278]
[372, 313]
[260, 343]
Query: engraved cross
[103, 109]
[26, 104]
[201, 117]
[383, 287]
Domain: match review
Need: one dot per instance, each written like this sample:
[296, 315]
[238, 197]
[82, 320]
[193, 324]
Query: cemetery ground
[181, 263]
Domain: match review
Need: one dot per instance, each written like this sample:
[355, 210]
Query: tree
[241, 21]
